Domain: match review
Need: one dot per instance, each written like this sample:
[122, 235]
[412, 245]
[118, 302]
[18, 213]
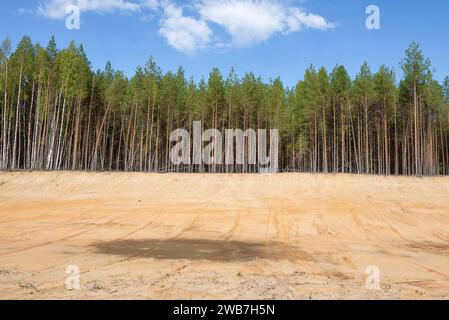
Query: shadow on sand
[194, 249]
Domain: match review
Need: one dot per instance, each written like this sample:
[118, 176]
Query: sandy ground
[178, 236]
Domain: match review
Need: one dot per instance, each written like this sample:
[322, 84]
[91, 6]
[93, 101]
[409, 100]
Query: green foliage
[416, 68]
[341, 85]
[364, 85]
[67, 114]
[74, 72]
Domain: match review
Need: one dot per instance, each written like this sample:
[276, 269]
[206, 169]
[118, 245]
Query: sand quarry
[192, 236]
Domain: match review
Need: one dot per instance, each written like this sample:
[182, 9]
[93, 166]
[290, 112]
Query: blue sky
[268, 37]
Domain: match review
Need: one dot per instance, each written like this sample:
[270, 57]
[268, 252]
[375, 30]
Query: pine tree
[57, 114]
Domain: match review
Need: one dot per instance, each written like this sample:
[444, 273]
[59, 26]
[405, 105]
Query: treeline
[58, 114]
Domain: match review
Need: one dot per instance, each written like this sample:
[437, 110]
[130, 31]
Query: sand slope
[286, 236]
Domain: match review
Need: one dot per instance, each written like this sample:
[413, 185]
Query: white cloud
[245, 21]
[150, 4]
[183, 33]
[297, 19]
[56, 9]
[254, 21]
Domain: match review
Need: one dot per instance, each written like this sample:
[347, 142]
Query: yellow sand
[171, 236]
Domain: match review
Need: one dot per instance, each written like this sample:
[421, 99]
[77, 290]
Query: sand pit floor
[181, 236]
